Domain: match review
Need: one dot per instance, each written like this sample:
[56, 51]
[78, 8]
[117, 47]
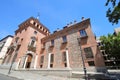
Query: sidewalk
[33, 76]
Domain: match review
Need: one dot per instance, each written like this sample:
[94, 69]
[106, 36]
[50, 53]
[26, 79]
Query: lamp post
[84, 68]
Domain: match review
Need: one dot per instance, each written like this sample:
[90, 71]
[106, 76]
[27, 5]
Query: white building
[4, 44]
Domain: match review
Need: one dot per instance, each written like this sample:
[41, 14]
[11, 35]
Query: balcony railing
[31, 48]
[84, 36]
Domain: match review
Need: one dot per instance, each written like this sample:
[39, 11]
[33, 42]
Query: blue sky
[54, 14]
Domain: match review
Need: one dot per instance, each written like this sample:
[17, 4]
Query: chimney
[70, 23]
[67, 24]
[58, 29]
[75, 21]
[82, 18]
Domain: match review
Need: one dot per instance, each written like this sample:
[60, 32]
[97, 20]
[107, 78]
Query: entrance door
[29, 60]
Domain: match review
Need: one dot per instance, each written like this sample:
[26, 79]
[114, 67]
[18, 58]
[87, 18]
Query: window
[33, 42]
[64, 39]
[83, 33]
[16, 39]
[21, 39]
[52, 42]
[41, 66]
[88, 52]
[43, 45]
[42, 60]
[1, 45]
[91, 63]
[52, 58]
[64, 59]
[18, 47]
[65, 64]
[35, 32]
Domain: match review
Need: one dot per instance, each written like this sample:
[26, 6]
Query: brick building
[33, 47]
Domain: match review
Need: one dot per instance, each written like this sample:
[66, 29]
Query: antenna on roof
[38, 16]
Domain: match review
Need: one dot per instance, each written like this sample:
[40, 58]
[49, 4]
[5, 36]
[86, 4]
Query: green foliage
[111, 44]
[113, 13]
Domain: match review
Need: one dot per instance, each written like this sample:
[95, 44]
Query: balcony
[31, 48]
[84, 36]
[52, 45]
[64, 42]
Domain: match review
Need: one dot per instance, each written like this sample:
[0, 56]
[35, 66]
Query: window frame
[83, 33]
[52, 42]
[64, 39]
[42, 59]
[88, 52]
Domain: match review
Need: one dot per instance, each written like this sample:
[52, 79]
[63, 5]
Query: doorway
[29, 60]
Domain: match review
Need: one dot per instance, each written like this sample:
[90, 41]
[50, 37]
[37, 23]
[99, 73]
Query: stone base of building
[65, 72]
[68, 72]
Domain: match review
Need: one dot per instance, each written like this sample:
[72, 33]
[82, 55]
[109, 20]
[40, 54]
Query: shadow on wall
[99, 62]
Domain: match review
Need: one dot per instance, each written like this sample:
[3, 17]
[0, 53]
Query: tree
[113, 13]
[111, 44]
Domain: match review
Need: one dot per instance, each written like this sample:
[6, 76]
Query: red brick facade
[36, 48]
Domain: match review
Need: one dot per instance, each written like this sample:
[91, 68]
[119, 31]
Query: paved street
[27, 75]
[5, 77]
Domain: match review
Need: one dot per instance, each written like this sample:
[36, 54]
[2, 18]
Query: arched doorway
[29, 60]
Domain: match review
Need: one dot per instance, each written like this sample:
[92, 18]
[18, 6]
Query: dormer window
[83, 33]
[64, 38]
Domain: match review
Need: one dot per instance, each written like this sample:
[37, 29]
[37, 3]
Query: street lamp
[84, 68]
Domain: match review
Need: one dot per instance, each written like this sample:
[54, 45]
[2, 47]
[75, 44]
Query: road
[4, 77]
